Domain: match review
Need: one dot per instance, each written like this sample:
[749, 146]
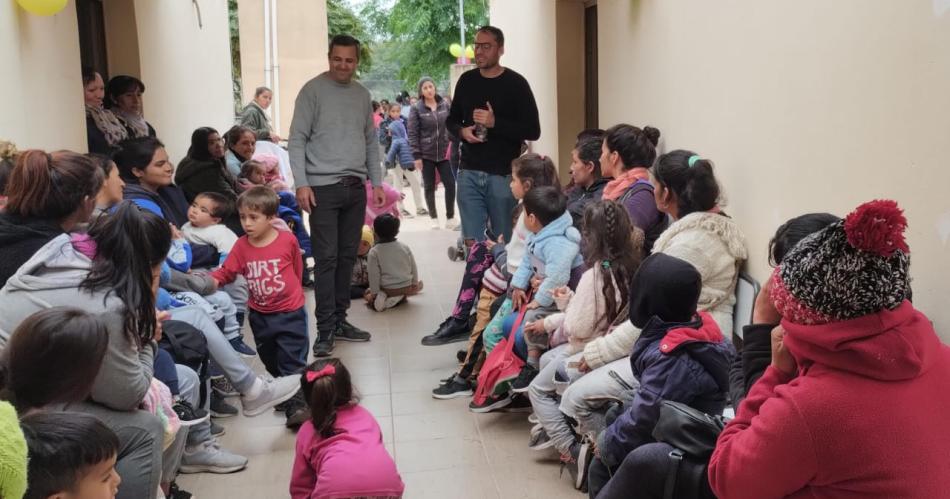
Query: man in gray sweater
[333, 150]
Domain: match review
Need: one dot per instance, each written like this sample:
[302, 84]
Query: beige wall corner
[122, 42]
[529, 27]
[186, 68]
[570, 80]
[301, 51]
[41, 83]
[804, 107]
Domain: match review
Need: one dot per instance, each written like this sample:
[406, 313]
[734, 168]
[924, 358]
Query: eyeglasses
[483, 46]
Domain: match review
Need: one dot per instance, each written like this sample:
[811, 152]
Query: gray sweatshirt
[332, 134]
[391, 266]
[50, 279]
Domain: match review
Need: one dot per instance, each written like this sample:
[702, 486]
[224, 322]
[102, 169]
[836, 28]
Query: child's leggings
[479, 260]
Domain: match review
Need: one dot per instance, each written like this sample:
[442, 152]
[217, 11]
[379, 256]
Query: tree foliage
[423, 31]
[342, 20]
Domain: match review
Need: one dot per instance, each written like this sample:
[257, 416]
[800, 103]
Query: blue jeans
[485, 198]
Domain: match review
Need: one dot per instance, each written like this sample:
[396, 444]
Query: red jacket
[867, 416]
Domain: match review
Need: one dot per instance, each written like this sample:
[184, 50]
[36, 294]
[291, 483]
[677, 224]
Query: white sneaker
[383, 302]
[451, 224]
[275, 391]
[435, 223]
[209, 457]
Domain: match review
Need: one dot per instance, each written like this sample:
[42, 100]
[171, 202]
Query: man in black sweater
[494, 113]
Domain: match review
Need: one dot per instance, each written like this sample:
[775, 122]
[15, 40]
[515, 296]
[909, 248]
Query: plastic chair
[747, 289]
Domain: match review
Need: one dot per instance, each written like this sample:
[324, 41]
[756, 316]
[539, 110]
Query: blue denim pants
[484, 198]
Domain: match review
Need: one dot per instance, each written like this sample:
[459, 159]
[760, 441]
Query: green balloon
[455, 49]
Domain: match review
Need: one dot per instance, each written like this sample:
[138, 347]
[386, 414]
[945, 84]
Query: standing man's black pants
[336, 225]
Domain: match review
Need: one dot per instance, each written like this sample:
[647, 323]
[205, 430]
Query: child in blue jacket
[401, 153]
[552, 250]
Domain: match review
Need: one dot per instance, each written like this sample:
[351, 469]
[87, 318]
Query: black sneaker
[237, 343]
[450, 331]
[519, 403]
[490, 404]
[524, 379]
[349, 332]
[220, 408]
[188, 415]
[296, 412]
[217, 430]
[323, 348]
[175, 492]
[453, 389]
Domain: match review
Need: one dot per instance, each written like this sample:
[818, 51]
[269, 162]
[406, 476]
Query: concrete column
[186, 69]
[42, 80]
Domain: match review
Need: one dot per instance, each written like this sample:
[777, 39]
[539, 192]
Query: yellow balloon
[455, 49]
[469, 52]
[42, 7]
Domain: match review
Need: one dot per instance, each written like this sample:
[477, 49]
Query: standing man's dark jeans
[336, 225]
[448, 180]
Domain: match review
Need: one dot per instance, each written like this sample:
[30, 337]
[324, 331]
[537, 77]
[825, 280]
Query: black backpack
[693, 435]
[188, 346]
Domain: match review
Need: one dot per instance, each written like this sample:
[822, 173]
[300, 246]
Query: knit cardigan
[713, 244]
[582, 311]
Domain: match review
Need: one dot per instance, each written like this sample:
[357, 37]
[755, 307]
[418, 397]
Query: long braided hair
[615, 245]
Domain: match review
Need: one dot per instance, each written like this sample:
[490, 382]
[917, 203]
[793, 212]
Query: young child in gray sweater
[392, 269]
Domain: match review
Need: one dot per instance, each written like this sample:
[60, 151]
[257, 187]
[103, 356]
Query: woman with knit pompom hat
[857, 398]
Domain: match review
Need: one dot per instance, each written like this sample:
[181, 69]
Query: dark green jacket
[253, 117]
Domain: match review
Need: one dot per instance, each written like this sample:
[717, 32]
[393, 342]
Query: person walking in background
[254, 115]
[429, 138]
[333, 150]
[493, 113]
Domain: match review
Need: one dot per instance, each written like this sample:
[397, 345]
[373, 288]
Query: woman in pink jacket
[856, 399]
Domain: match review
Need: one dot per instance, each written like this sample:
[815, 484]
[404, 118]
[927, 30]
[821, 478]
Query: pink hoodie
[352, 463]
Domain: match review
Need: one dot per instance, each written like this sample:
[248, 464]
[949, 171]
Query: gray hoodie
[51, 278]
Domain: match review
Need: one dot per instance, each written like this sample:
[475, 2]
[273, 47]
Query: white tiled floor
[441, 449]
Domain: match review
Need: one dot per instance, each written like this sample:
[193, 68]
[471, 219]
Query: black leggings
[448, 180]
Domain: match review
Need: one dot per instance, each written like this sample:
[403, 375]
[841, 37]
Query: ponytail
[689, 177]
[130, 243]
[51, 185]
[326, 386]
[535, 170]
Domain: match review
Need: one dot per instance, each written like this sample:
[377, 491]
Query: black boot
[450, 331]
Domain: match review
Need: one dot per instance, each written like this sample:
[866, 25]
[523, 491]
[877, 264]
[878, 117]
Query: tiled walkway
[441, 449]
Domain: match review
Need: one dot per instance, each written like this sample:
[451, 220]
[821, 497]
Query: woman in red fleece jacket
[856, 400]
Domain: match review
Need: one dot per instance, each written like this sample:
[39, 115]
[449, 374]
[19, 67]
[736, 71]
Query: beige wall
[41, 80]
[186, 69]
[570, 80]
[301, 48]
[529, 27]
[804, 106]
[122, 43]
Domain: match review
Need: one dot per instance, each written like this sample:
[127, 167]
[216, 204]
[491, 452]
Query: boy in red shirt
[270, 261]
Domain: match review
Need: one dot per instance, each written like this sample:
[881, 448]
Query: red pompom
[877, 227]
